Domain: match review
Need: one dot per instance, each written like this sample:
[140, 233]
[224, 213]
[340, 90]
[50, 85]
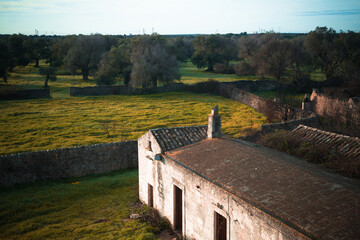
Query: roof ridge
[180, 127]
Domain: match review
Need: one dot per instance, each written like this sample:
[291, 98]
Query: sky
[63, 17]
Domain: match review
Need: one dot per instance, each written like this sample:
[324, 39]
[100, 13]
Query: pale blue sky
[175, 17]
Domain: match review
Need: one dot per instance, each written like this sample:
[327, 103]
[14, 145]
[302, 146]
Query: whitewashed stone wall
[201, 199]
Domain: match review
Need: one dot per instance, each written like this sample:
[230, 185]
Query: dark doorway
[178, 219]
[220, 227]
[150, 195]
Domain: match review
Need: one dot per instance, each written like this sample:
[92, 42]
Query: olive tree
[85, 54]
[152, 62]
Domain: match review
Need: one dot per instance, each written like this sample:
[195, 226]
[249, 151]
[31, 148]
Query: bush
[210, 86]
[320, 154]
[243, 69]
[222, 68]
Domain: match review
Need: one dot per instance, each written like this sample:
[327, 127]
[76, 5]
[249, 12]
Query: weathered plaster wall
[201, 199]
[67, 162]
[346, 111]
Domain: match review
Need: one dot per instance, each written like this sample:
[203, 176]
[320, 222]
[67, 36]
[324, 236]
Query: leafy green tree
[152, 62]
[85, 54]
[318, 44]
[38, 48]
[274, 57]
[49, 73]
[182, 47]
[18, 50]
[213, 49]
[59, 49]
[5, 61]
[115, 63]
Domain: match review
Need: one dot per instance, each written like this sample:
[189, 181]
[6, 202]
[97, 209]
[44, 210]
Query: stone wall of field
[346, 111]
[260, 85]
[14, 94]
[124, 90]
[67, 162]
[267, 107]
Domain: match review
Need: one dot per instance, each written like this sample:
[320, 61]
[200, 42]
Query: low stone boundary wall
[266, 107]
[14, 94]
[346, 111]
[290, 125]
[312, 121]
[67, 162]
[257, 86]
[124, 90]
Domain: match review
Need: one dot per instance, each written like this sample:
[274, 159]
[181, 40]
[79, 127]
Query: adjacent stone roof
[319, 204]
[171, 138]
[345, 145]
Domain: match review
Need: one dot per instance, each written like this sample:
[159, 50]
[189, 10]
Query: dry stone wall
[260, 104]
[346, 111]
[67, 162]
[25, 94]
[124, 90]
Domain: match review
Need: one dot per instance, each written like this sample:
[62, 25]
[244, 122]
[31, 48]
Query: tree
[85, 54]
[18, 50]
[213, 49]
[182, 47]
[318, 43]
[59, 48]
[38, 48]
[152, 62]
[274, 57]
[49, 73]
[116, 62]
[5, 61]
[343, 59]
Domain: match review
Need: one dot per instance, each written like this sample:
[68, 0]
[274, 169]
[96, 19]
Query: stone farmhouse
[213, 187]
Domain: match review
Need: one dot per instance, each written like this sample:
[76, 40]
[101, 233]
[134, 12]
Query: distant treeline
[147, 60]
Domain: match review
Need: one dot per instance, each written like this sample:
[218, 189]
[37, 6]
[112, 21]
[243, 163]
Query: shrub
[210, 86]
[319, 154]
[222, 68]
[243, 69]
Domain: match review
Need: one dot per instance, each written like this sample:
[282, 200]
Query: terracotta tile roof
[345, 145]
[319, 204]
[171, 138]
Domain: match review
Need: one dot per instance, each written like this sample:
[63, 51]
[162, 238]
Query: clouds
[174, 16]
[330, 12]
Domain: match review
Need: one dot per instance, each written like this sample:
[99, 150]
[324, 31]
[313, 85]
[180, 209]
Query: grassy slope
[78, 208]
[30, 125]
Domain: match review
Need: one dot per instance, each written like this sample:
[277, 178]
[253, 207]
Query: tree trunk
[4, 77]
[85, 73]
[37, 62]
[46, 81]
[154, 82]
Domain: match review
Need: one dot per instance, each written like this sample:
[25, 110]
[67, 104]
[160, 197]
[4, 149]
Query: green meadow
[93, 207]
[190, 74]
[31, 125]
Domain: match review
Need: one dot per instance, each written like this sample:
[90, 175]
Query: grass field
[190, 75]
[94, 207]
[31, 125]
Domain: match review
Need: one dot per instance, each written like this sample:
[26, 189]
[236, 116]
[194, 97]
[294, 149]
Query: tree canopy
[152, 62]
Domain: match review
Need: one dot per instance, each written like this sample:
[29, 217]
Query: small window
[149, 146]
[220, 227]
[150, 195]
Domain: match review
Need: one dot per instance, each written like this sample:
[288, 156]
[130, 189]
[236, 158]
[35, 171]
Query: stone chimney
[306, 103]
[214, 125]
